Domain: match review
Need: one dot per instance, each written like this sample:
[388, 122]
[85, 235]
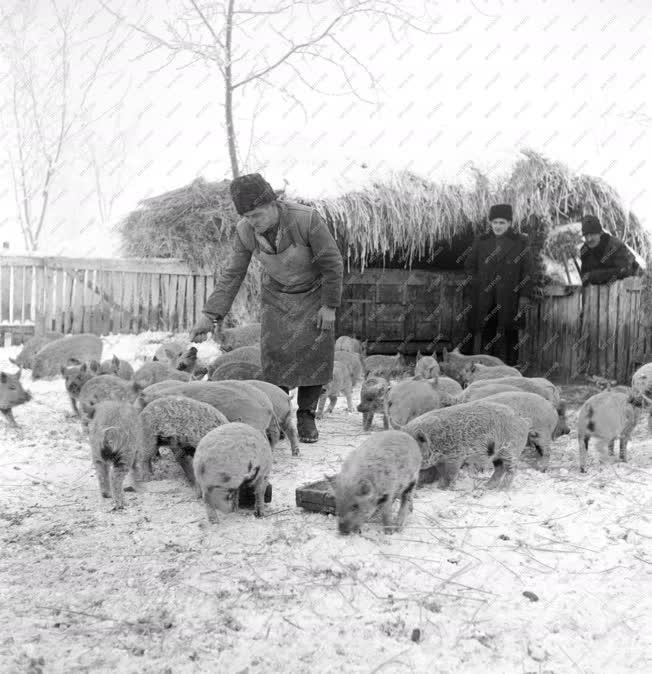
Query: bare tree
[49, 103]
[222, 33]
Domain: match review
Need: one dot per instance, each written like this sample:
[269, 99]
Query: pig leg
[211, 513]
[497, 475]
[9, 416]
[367, 418]
[624, 439]
[349, 400]
[118, 474]
[184, 460]
[406, 505]
[611, 445]
[75, 410]
[102, 470]
[447, 471]
[385, 502]
[331, 405]
[583, 441]
[292, 435]
[385, 421]
[320, 407]
[508, 465]
[259, 497]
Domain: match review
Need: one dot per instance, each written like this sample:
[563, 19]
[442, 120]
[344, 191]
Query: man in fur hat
[603, 257]
[301, 289]
[499, 269]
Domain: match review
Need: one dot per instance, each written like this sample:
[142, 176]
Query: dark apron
[294, 352]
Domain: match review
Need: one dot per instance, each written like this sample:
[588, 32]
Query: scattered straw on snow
[155, 588]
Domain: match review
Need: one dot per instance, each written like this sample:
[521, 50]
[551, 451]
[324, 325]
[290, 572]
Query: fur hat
[250, 191]
[591, 225]
[501, 211]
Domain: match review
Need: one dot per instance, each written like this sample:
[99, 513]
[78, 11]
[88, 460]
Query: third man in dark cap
[499, 268]
[603, 257]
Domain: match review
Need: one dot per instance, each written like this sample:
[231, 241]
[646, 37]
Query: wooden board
[316, 497]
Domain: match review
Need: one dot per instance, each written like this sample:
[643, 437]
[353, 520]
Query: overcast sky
[567, 78]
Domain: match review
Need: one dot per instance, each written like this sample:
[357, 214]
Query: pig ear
[115, 360]
[533, 435]
[74, 361]
[94, 366]
[364, 488]
[420, 436]
[419, 354]
[20, 371]
[83, 367]
[444, 355]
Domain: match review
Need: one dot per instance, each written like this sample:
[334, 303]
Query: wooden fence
[572, 331]
[99, 295]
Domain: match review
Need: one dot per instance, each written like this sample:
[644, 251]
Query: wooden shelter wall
[572, 331]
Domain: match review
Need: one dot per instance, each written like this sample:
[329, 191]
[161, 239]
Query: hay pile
[194, 224]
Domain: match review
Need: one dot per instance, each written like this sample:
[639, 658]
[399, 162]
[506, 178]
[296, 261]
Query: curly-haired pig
[539, 385]
[608, 416]
[226, 459]
[406, 400]
[547, 423]
[120, 368]
[115, 433]
[53, 356]
[249, 354]
[180, 422]
[168, 353]
[389, 367]
[385, 467]
[345, 343]
[642, 384]
[446, 385]
[340, 384]
[353, 362]
[104, 387]
[426, 367]
[154, 371]
[282, 404]
[12, 394]
[233, 338]
[479, 372]
[372, 401]
[25, 359]
[477, 433]
[237, 400]
[75, 375]
[454, 363]
[237, 370]
[189, 362]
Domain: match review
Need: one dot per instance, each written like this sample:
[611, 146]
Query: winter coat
[302, 271]
[608, 261]
[500, 271]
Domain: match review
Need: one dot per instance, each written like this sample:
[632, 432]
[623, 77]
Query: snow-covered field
[553, 576]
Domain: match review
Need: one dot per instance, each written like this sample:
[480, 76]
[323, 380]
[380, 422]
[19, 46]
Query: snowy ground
[553, 576]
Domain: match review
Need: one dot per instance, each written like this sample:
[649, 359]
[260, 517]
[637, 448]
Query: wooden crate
[317, 497]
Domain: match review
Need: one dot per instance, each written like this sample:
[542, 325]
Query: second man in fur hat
[499, 268]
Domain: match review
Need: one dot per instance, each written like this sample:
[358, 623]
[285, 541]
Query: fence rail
[572, 331]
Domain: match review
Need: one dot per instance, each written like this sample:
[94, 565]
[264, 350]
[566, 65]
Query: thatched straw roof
[404, 219]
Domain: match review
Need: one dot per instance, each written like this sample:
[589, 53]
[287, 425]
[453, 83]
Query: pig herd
[222, 422]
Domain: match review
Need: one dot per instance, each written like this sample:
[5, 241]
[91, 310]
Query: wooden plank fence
[571, 332]
[99, 295]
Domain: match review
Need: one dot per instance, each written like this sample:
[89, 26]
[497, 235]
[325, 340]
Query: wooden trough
[316, 497]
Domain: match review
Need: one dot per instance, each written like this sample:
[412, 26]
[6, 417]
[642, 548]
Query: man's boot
[306, 427]
[307, 399]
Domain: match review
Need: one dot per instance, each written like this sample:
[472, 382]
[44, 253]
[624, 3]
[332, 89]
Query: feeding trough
[317, 497]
